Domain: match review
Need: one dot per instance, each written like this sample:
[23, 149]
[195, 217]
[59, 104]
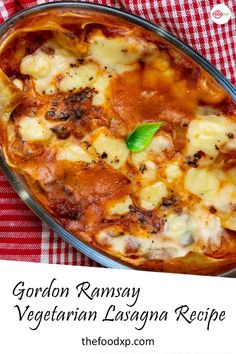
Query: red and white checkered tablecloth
[23, 237]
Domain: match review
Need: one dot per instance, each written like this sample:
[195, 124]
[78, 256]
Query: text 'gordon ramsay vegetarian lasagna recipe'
[125, 141]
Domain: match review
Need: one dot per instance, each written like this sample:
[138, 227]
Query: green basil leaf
[141, 136]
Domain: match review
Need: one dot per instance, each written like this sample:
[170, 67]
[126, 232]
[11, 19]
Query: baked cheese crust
[73, 86]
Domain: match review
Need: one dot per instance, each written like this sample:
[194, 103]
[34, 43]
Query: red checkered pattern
[25, 238]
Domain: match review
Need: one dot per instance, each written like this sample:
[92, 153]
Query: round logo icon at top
[220, 14]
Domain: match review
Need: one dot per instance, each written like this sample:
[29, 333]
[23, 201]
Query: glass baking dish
[19, 185]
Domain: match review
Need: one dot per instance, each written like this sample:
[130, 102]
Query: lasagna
[74, 86]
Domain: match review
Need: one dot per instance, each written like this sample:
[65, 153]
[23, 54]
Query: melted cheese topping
[122, 207]
[45, 67]
[179, 228]
[225, 197]
[150, 248]
[37, 65]
[139, 157]
[173, 172]
[101, 86]
[113, 151]
[213, 188]
[148, 171]
[33, 129]
[118, 54]
[144, 161]
[208, 135]
[81, 77]
[206, 227]
[202, 183]
[73, 153]
[160, 143]
[151, 196]
[59, 71]
[198, 228]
